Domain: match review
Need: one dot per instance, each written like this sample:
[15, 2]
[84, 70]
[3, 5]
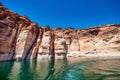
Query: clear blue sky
[67, 13]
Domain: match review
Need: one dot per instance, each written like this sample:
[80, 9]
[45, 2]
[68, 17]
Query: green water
[62, 69]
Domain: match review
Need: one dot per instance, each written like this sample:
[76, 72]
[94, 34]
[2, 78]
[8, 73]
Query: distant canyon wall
[22, 39]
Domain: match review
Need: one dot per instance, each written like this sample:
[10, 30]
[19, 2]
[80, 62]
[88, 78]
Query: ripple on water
[103, 70]
[62, 69]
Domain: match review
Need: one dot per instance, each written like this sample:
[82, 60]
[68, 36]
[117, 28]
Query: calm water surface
[62, 69]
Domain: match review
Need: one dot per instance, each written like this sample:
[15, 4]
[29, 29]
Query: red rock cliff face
[22, 39]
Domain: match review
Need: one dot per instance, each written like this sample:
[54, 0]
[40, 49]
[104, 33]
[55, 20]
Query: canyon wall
[22, 39]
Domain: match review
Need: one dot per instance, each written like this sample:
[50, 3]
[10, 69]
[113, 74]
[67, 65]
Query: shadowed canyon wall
[22, 39]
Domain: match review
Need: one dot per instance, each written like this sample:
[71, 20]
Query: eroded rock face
[60, 43]
[45, 46]
[22, 39]
[26, 40]
[99, 38]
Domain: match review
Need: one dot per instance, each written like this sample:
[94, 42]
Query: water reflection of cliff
[51, 69]
[53, 74]
[5, 69]
[32, 69]
[21, 71]
[62, 69]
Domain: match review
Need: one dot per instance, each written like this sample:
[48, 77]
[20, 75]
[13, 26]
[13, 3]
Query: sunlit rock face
[72, 41]
[26, 41]
[60, 43]
[8, 31]
[98, 39]
[44, 48]
[22, 39]
[34, 52]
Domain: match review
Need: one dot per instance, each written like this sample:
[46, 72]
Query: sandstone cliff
[22, 39]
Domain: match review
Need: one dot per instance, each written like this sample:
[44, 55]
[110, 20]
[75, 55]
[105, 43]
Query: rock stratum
[22, 39]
